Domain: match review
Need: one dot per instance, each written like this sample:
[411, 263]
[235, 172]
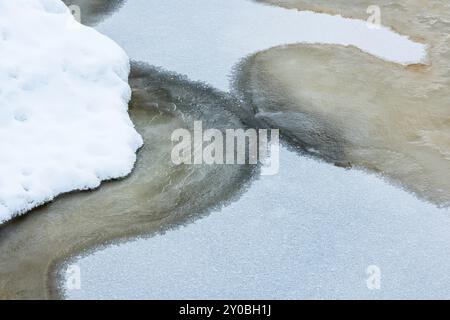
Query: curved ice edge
[422, 58]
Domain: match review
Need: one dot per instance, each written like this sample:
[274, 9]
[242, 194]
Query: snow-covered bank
[310, 232]
[204, 39]
[63, 106]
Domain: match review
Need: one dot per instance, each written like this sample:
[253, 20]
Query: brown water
[158, 194]
[353, 109]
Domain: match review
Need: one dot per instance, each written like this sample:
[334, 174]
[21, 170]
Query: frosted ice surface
[309, 232]
[63, 106]
[204, 39]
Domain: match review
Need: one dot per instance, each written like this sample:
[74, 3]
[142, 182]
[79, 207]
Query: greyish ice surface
[309, 232]
[205, 39]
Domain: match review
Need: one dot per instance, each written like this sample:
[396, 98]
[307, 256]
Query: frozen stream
[309, 232]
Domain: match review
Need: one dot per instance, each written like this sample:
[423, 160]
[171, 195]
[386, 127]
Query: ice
[204, 39]
[310, 232]
[313, 230]
[63, 106]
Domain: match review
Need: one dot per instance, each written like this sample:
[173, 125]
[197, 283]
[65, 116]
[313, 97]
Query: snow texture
[63, 106]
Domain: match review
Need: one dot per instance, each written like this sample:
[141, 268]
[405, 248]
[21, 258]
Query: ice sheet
[310, 232]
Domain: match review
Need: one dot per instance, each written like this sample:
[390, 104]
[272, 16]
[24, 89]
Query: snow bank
[63, 106]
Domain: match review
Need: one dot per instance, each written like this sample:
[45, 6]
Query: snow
[63, 106]
[310, 232]
[205, 39]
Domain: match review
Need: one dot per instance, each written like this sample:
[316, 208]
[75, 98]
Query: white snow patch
[63, 106]
[204, 39]
[310, 232]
